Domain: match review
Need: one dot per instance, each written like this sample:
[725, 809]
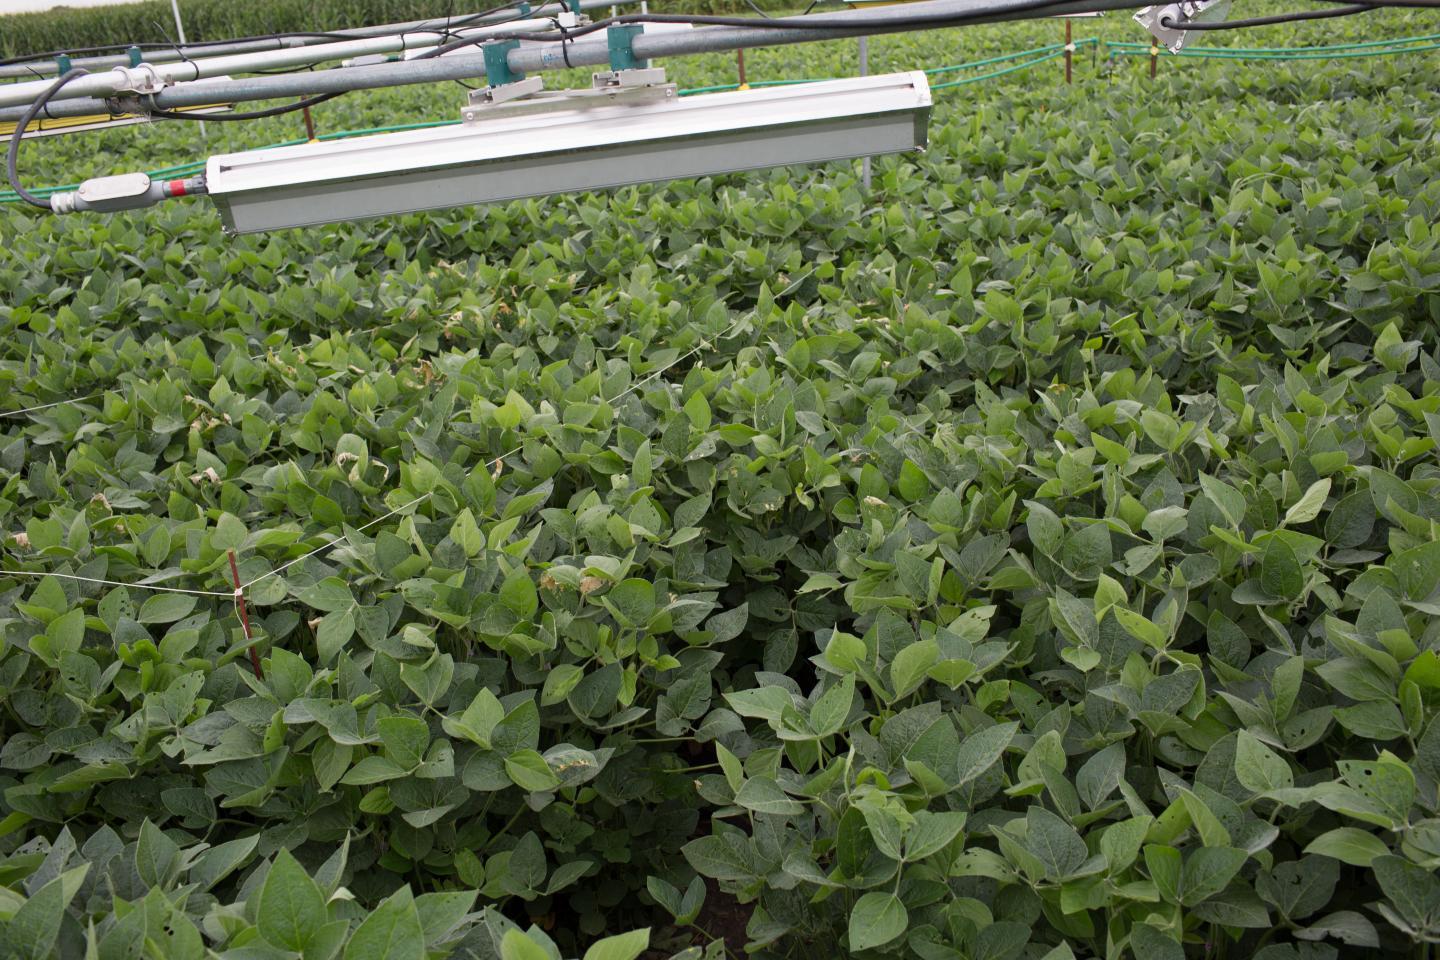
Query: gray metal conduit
[537, 57]
[153, 77]
[43, 68]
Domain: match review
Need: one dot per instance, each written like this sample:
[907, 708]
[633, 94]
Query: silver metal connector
[1167, 23]
[124, 191]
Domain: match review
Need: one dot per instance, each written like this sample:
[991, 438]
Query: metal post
[1154, 59]
[179, 25]
[1069, 51]
[645, 8]
[865, 69]
[309, 124]
[180, 32]
[740, 68]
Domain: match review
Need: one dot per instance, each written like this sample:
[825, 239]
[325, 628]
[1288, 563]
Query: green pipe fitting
[620, 40]
[497, 62]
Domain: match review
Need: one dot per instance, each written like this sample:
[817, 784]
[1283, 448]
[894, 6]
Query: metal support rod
[266, 44]
[309, 124]
[645, 8]
[740, 68]
[1154, 59]
[179, 24]
[538, 57]
[865, 69]
[116, 80]
[180, 33]
[1069, 51]
[869, 22]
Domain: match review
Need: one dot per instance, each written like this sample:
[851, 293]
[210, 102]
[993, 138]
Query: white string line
[339, 540]
[504, 456]
[47, 406]
[113, 583]
[235, 594]
[61, 403]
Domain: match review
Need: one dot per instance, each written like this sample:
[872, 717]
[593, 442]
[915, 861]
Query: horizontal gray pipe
[46, 68]
[537, 57]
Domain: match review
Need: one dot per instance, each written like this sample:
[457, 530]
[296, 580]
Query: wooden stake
[244, 616]
[309, 124]
[740, 67]
[1154, 59]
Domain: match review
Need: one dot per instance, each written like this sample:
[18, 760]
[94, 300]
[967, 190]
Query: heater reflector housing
[563, 151]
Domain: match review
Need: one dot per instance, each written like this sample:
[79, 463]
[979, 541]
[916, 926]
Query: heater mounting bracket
[141, 79]
[620, 40]
[497, 62]
[607, 88]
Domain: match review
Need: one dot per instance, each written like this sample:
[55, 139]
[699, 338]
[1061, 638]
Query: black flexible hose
[1325, 14]
[12, 158]
[284, 108]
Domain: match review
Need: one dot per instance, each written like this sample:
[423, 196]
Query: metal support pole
[1069, 51]
[740, 68]
[645, 8]
[179, 25]
[180, 32]
[309, 124]
[1154, 59]
[865, 69]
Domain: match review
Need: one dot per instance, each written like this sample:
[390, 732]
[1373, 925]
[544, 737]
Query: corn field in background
[152, 22]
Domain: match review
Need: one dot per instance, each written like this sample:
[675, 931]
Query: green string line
[930, 72]
[1010, 56]
[1334, 46]
[1218, 53]
[996, 73]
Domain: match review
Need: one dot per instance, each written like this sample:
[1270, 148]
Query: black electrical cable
[939, 19]
[697, 20]
[184, 58]
[12, 157]
[279, 111]
[564, 42]
[776, 23]
[1400, 4]
[1326, 14]
[470, 18]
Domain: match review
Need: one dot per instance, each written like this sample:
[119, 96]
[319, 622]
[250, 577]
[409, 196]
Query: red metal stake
[740, 66]
[1154, 59]
[309, 125]
[244, 616]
